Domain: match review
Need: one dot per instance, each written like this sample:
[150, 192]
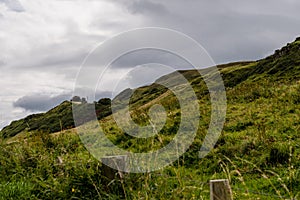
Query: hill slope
[258, 150]
[283, 65]
[57, 119]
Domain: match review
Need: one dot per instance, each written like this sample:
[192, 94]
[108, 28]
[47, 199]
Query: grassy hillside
[258, 150]
[57, 119]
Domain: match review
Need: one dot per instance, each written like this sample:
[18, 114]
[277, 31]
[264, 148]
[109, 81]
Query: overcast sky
[43, 42]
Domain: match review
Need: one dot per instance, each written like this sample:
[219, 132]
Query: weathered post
[118, 164]
[220, 190]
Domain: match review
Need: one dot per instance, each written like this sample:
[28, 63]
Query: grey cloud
[2, 62]
[144, 56]
[109, 24]
[147, 74]
[38, 102]
[13, 5]
[67, 53]
[146, 6]
[58, 55]
[249, 37]
[229, 30]
[103, 94]
[63, 58]
[42, 102]
[143, 6]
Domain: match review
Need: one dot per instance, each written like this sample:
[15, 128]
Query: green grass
[258, 150]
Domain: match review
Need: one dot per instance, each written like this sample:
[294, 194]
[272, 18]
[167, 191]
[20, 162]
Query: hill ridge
[283, 65]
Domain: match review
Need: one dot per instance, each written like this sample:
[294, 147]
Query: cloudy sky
[43, 42]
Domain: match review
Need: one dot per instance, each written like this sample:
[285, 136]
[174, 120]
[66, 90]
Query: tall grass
[258, 152]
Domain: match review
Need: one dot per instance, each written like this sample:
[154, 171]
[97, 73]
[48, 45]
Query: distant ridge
[283, 65]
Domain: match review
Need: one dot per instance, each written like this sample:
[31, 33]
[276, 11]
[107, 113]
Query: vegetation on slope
[258, 150]
[57, 119]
